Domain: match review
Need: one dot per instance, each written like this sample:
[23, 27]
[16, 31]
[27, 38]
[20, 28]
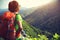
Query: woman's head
[13, 6]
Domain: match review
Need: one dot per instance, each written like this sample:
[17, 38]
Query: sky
[25, 3]
[3, 4]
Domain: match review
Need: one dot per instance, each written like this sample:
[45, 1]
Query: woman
[14, 8]
[11, 26]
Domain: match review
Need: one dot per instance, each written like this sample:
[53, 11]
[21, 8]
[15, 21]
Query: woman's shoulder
[18, 17]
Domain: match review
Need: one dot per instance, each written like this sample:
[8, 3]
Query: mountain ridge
[46, 18]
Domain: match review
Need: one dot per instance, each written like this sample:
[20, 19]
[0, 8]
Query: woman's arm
[18, 32]
[20, 25]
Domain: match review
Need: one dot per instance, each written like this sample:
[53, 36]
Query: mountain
[33, 31]
[46, 18]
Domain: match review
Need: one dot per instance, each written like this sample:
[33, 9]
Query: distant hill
[46, 18]
[2, 11]
[23, 11]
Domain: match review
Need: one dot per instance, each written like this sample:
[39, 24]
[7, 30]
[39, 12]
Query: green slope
[30, 30]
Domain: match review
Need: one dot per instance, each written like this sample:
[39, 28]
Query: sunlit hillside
[46, 18]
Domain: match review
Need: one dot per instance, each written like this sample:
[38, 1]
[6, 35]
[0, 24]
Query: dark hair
[13, 6]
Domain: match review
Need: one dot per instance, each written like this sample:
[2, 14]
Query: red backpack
[7, 25]
[7, 29]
